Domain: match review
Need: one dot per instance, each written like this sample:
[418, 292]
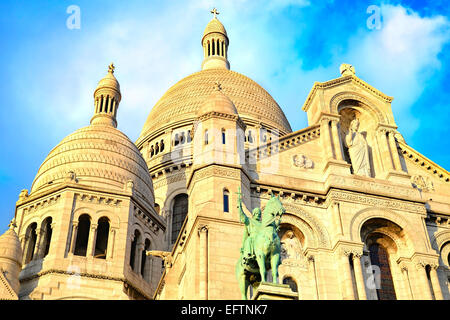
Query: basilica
[366, 215]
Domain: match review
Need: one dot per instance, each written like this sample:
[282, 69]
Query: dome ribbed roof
[100, 156]
[215, 26]
[10, 247]
[183, 100]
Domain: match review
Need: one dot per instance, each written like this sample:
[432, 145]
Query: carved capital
[403, 267]
[357, 255]
[203, 228]
[421, 265]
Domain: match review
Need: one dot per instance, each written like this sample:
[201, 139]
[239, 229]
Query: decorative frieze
[146, 219]
[217, 171]
[337, 195]
[97, 199]
[371, 187]
[42, 203]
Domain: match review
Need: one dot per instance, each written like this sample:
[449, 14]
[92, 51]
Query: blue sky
[49, 72]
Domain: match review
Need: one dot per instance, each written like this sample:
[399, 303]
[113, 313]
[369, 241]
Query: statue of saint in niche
[290, 246]
[358, 150]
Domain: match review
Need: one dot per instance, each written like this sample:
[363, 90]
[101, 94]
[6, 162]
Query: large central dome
[182, 100]
[179, 105]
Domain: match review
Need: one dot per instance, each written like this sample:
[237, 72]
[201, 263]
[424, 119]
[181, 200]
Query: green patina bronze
[261, 245]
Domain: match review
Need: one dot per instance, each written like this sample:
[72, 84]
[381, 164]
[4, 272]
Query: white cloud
[401, 57]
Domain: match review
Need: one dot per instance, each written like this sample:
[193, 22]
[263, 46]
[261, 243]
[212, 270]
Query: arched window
[134, 243]
[107, 104]
[179, 212]
[81, 243]
[209, 48]
[152, 151]
[156, 148]
[291, 282]
[213, 47]
[101, 243]
[47, 236]
[226, 201]
[182, 139]
[379, 257]
[223, 136]
[162, 146]
[223, 49]
[111, 106]
[157, 208]
[188, 138]
[250, 137]
[176, 141]
[206, 137]
[218, 47]
[30, 243]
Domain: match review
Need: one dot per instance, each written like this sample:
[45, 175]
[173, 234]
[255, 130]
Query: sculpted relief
[358, 150]
[422, 183]
[302, 161]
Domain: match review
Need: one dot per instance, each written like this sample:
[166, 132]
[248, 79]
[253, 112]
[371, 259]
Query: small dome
[214, 26]
[10, 247]
[99, 156]
[109, 81]
[217, 102]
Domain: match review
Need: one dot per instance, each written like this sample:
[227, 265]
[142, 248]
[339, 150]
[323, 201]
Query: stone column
[435, 282]
[394, 151]
[326, 138]
[336, 140]
[335, 207]
[312, 264]
[359, 277]
[203, 268]
[384, 147]
[347, 283]
[406, 280]
[111, 239]
[91, 240]
[74, 237]
[138, 257]
[37, 245]
[423, 281]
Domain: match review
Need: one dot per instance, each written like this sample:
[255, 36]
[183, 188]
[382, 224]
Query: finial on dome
[217, 86]
[346, 69]
[111, 68]
[215, 13]
[12, 224]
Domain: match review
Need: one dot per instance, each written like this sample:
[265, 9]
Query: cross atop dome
[215, 12]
